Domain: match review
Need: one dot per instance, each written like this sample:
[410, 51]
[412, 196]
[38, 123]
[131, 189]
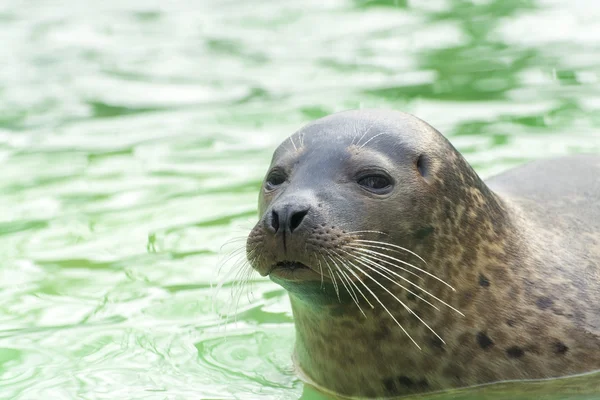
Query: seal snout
[287, 217]
[278, 243]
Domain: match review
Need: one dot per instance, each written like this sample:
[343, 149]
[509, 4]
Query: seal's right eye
[374, 182]
[274, 179]
[378, 183]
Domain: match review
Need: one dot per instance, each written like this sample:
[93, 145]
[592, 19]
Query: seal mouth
[289, 265]
[293, 271]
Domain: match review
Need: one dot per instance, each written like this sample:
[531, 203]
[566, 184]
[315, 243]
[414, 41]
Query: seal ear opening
[422, 166]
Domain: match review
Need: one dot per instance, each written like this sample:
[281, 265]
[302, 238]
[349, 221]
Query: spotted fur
[525, 265]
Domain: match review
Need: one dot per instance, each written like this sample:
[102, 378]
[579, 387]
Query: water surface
[134, 136]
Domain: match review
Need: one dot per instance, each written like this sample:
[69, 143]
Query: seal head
[340, 179]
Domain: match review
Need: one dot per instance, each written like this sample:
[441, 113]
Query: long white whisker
[379, 134]
[233, 240]
[381, 233]
[379, 301]
[232, 254]
[373, 263]
[236, 266]
[335, 286]
[293, 144]
[237, 293]
[364, 133]
[321, 270]
[352, 294]
[351, 282]
[343, 276]
[402, 303]
[375, 268]
[403, 262]
[391, 245]
[389, 263]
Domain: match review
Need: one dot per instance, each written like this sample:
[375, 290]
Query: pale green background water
[134, 136]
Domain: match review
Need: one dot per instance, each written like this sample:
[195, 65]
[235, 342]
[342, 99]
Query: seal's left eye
[375, 182]
[274, 179]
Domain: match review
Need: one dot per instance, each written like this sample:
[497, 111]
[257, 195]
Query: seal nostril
[275, 220]
[296, 219]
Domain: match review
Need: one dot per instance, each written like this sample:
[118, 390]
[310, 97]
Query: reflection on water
[134, 135]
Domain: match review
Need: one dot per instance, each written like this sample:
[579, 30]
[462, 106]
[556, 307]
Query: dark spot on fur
[383, 333]
[560, 348]
[405, 381]
[403, 384]
[424, 232]
[515, 352]
[544, 303]
[483, 281]
[484, 341]
[410, 296]
[390, 385]
[510, 322]
[454, 371]
[435, 342]
[466, 299]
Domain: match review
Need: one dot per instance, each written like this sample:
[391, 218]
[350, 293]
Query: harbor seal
[407, 273]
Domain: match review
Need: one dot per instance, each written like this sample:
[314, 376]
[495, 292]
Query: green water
[134, 136]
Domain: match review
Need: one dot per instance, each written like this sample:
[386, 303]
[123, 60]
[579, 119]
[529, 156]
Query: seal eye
[375, 183]
[274, 179]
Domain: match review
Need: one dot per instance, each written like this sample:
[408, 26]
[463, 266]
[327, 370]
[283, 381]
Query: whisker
[234, 268]
[236, 293]
[391, 245]
[352, 294]
[233, 240]
[389, 263]
[380, 302]
[381, 233]
[402, 303]
[373, 263]
[332, 277]
[402, 262]
[248, 284]
[321, 270]
[354, 127]
[228, 257]
[354, 284]
[364, 133]
[379, 134]
[293, 144]
[374, 267]
[244, 270]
